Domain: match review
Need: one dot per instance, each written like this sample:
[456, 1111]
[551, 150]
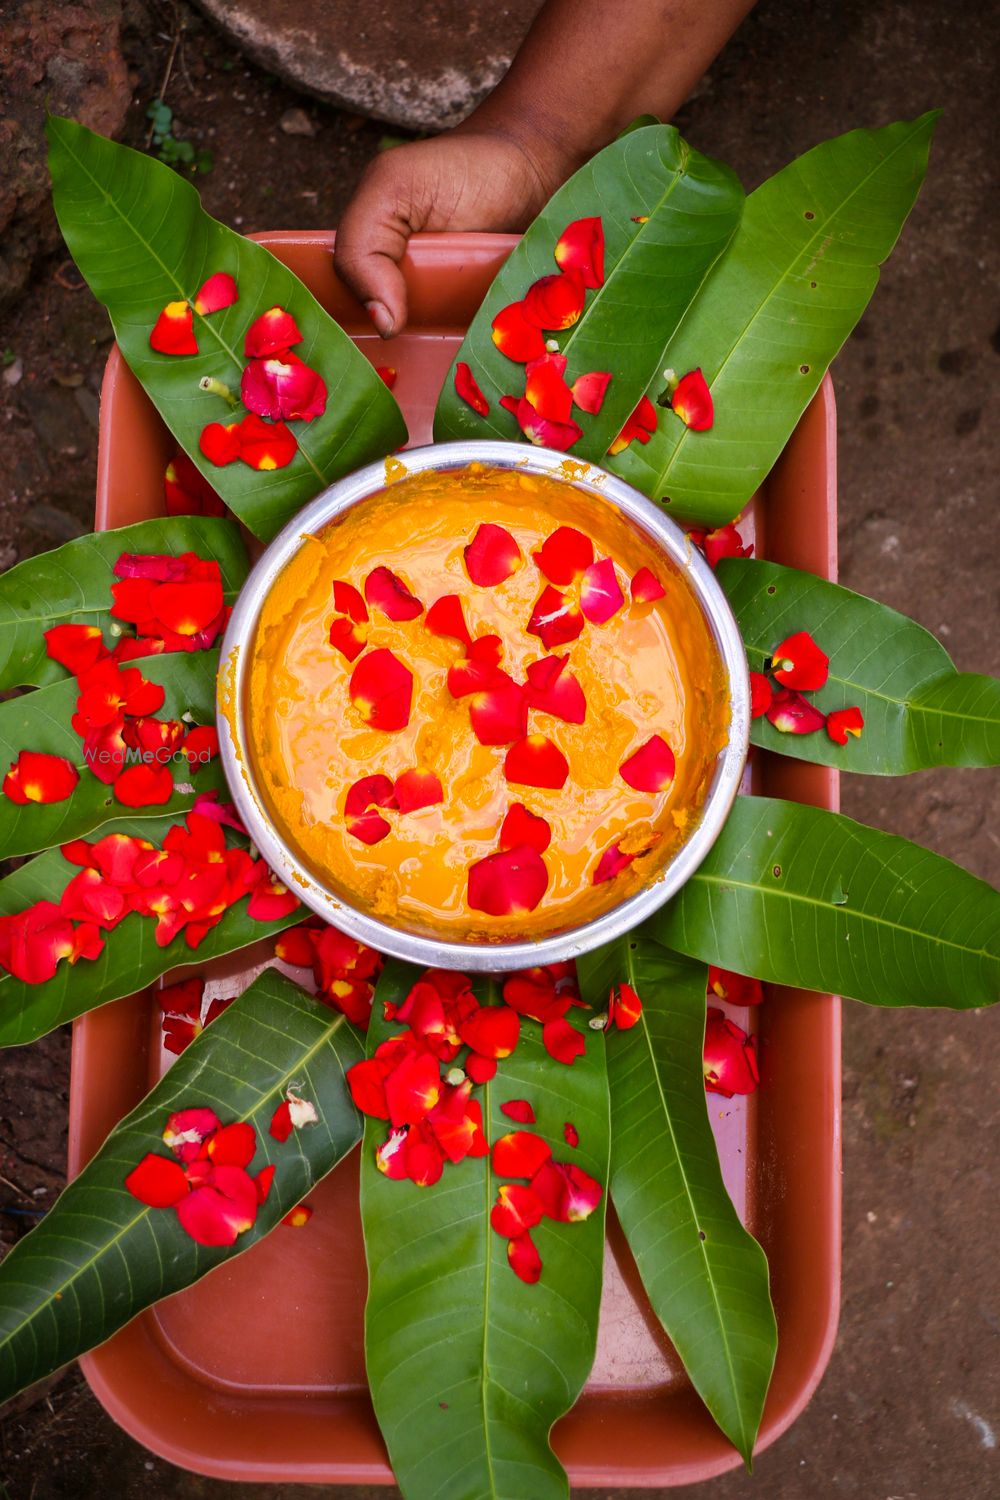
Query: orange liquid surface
[651, 669]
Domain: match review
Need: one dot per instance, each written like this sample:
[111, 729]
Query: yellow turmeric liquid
[651, 669]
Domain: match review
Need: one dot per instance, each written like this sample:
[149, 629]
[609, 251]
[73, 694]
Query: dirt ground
[909, 1408]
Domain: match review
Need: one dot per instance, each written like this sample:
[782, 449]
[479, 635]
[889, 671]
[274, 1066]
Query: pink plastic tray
[257, 1373]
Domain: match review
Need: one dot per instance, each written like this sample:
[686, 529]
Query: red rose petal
[551, 688]
[735, 989]
[761, 694]
[158, 1181]
[363, 822]
[562, 1041]
[516, 1210]
[510, 883]
[571, 1135]
[567, 1193]
[284, 389]
[580, 247]
[515, 337]
[348, 601]
[492, 555]
[272, 333]
[524, 1259]
[799, 663]
[187, 608]
[264, 445]
[692, 401]
[263, 1181]
[232, 1145]
[271, 900]
[468, 390]
[386, 591]
[76, 647]
[173, 331]
[519, 1110]
[600, 592]
[542, 431]
[499, 711]
[790, 713]
[536, 761]
[366, 1081]
[220, 443]
[725, 541]
[533, 993]
[480, 1069]
[730, 1057]
[416, 789]
[546, 389]
[565, 555]
[144, 786]
[646, 587]
[555, 619]
[651, 767]
[299, 1217]
[218, 291]
[347, 638]
[281, 1126]
[589, 391]
[186, 491]
[222, 1210]
[491, 1030]
[624, 1007]
[40, 778]
[520, 1154]
[555, 302]
[523, 827]
[382, 690]
[446, 617]
[639, 427]
[201, 744]
[842, 722]
[412, 1088]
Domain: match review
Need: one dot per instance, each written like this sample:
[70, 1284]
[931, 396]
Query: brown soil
[908, 1408]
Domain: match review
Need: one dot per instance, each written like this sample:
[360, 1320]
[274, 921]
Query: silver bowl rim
[501, 956]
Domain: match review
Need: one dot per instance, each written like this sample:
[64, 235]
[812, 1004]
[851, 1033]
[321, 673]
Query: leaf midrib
[856, 912]
[188, 297]
[678, 1155]
[331, 1030]
[821, 229]
[677, 174]
[911, 705]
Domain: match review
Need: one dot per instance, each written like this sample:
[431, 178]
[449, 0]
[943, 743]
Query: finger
[371, 240]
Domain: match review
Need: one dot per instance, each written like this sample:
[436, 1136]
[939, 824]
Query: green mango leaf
[41, 721]
[141, 239]
[918, 711]
[705, 1276]
[468, 1366]
[796, 278]
[99, 1256]
[72, 585]
[804, 897]
[652, 272]
[130, 960]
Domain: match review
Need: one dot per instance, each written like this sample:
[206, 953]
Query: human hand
[470, 178]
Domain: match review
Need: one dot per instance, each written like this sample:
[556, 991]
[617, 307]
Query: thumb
[371, 240]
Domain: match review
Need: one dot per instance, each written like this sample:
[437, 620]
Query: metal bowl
[495, 956]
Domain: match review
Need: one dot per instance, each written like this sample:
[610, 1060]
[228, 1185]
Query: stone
[62, 58]
[296, 122]
[424, 65]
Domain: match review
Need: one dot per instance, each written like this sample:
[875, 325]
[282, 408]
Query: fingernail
[381, 317]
